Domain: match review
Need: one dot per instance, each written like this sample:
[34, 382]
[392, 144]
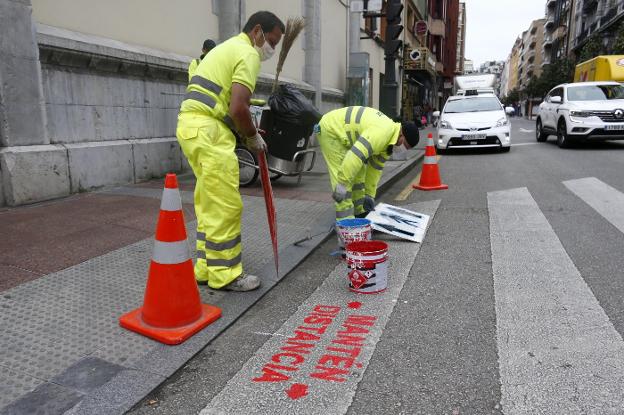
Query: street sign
[421, 28]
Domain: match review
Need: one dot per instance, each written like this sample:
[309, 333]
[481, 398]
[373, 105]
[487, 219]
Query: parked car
[473, 121]
[582, 111]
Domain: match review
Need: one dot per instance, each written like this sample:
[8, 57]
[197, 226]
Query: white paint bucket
[367, 266]
[352, 230]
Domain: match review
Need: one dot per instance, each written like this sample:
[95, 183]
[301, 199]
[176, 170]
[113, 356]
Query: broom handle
[275, 82]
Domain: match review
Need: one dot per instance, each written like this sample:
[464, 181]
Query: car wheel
[247, 173]
[440, 150]
[540, 135]
[562, 135]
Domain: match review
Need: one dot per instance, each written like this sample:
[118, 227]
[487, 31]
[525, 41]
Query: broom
[294, 26]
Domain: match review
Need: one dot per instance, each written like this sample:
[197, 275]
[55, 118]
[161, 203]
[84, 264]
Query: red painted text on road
[293, 354]
[341, 355]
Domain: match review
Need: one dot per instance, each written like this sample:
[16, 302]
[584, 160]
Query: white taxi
[473, 121]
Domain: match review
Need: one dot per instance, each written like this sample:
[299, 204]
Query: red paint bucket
[367, 266]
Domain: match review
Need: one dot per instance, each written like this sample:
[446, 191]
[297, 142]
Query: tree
[618, 44]
[558, 72]
[531, 88]
[512, 97]
[592, 48]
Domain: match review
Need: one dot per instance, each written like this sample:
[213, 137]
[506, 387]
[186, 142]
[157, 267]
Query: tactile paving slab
[51, 323]
[15, 384]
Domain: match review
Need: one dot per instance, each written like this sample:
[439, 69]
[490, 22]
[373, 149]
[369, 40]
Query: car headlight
[502, 122]
[580, 114]
[445, 124]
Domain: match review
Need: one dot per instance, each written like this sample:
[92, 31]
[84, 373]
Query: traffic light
[393, 27]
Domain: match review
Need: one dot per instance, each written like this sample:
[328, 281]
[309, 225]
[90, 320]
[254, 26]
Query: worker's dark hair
[266, 20]
[208, 45]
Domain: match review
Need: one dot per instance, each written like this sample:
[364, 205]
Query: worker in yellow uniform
[356, 142]
[208, 45]
[217, 102]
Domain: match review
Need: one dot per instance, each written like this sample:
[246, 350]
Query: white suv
[473, 121]
[582, 111]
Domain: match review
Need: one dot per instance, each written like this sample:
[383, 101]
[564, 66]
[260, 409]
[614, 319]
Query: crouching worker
[356, 142]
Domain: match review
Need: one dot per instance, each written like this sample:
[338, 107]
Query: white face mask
[266, 51]
[399, 149]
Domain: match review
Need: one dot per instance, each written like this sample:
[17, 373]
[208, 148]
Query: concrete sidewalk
[71, 267]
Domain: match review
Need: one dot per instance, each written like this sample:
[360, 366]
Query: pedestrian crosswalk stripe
[558, 351]
[604, 199]
[315, 361]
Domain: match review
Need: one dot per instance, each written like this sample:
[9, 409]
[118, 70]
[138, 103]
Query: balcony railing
[437, 27]
[551, 3]
[589, 5]
[610, 14]
[548, 40]
[426, 62]
[582, 36]
[593, 27]
[550, 23]
[560, 32]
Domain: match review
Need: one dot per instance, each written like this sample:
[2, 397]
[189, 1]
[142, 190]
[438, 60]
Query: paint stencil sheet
[399, 222]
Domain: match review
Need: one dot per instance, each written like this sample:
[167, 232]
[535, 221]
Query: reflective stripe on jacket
[368, 135]
[210, 88]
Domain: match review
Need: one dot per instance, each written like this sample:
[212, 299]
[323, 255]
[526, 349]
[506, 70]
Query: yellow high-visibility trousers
[209, 148]
[334, 152]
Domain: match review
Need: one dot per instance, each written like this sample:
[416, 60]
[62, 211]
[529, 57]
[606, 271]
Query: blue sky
[493, 25]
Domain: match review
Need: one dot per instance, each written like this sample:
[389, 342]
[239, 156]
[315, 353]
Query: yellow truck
[601, 68]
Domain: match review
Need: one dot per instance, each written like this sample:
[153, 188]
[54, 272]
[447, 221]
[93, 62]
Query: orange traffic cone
[172, 311]
[430, 176]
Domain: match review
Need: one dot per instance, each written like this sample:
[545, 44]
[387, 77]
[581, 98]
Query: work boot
[245, 282]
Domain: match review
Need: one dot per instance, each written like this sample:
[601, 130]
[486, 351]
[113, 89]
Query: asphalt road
[512, 305]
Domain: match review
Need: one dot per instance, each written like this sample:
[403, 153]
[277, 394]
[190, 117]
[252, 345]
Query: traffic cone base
[440, 187]
[134, 321]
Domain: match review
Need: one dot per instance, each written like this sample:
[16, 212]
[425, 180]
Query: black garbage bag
[290, 105]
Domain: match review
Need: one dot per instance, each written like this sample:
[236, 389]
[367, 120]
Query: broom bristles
[294, 26]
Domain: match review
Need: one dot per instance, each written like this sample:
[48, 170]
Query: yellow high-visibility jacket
[210, 89]
[193, 68]
[368, 135]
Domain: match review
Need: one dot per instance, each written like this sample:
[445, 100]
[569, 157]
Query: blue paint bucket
[353, 230]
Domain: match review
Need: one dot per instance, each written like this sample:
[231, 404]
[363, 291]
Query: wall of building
[334, 44]
[164, 25]
[513, 66]
[109, 90]
[293, 69]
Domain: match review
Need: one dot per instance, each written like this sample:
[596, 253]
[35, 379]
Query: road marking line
[329, 342]
[524, 144]
[558, 351]
[261, 333]
[524, 130]
[604, 199]
[405, 193]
